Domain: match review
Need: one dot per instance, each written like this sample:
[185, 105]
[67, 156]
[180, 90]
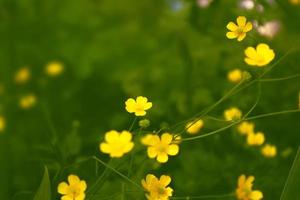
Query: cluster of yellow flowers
[244, 189]
[256, 139]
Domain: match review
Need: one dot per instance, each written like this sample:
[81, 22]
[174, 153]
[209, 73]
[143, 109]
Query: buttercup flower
[256, 139]
[269, 151]
[75, 190]
[194, 126]
[22, 75]
[238, 30]
[260, 56]
[2, 123]
[161, 147]
[246, 128]
[157, 189]
[235, 75]
[232, 113]
[27, 101]
[54, 68]
[117, 144]
[244, 190]
[295, 2]
[138, 106]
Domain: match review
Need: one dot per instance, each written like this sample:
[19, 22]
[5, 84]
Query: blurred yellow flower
[244, 190]
[75, 190]
[194, 126]
[256, 139]
[269, 151]
[27, 101]
[157, 189]
[295, 2]
[260, 56]
[22, 75]
[117, 144]
[54, 68]
[232, 113]
[2, 123]
[246, 128]
[161, 147]
[138, 106]
[238, 30]
[235, 75]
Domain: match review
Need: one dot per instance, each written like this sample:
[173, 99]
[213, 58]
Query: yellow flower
[157, 189]
[244, 190]
[246, 128]
[238, 30]
[2, 123]
[22, 75]
[161, 147]
[295, 2]
[54, 68]
[27, 101]
[75, 190]
[232, 113]
[260, 56]
[117, 144]
[235, 75]
[269, 151]
[256, 139]
[138, 106]
[194, 126]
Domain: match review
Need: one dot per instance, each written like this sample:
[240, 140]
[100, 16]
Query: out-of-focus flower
[204, 3]
[144, 123]
[269, 29]
[138, 106]
[235, 75]
[161, 147]
[157, 189]
[244, 189]
[295, 2]
[22, 75]
[54, 68]
[232, 113]
[246, 4]
[269, 151]
[75, 190]
[27, 101]
[260, 56]
[194, 126]
[117, 144]
[256, 139]
[2, 123]
[238, 30]
[246, 128]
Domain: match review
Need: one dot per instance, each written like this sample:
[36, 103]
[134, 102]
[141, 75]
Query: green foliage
[44, 190]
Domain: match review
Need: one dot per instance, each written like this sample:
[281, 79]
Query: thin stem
[205, 196]
[280, 79]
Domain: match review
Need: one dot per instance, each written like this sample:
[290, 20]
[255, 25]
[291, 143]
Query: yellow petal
[105, 148]
[166, 138]
[241, 36]
[151, 151]
[241, 180]
[148, 105]
[83, 185]
[241, 21]
[128, 147]
[73, 179]
[80, 197]
[125, 136]
[250, 52]
[141, 100]
[173, 149]
[256, 195]
[248, 27]
[162, 157]
[130, 105]
[232, 26]
[67, 197]
[165, 180]
[250, 61]
[231, 35]
[262, 47]
[111, 136]
[140, 113]
[63, 188]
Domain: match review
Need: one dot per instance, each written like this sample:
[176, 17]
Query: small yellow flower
[117, 144]
[246, 128]
[295, 2]
[75, 190]
[238, 30]
[138, 106]
[235, 75]
[256, 139]
[260, 56]
[54, 68]
[157, 189]
[194, 126]
[269, 151]
[27, 101]
[22, 75]
[2, 123]
[244, 190]
[232, 113]
[161, 147]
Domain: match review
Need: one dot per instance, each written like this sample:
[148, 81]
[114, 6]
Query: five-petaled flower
[259, 56]
[194, 126]
[157, 189]
[75, 190]
[269, 151]
[117, 144]
[138, 106]
[238, 30]
[244, 190]
[161, 147]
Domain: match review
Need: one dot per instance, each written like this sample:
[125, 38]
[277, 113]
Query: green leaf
[44, 191]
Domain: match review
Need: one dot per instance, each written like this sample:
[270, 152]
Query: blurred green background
[172, 51]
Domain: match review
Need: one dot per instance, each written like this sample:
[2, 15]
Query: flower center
[162, 148]
[75, 191]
